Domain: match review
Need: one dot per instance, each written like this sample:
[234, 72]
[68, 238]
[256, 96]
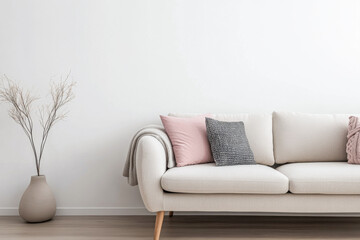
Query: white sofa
[301, 168]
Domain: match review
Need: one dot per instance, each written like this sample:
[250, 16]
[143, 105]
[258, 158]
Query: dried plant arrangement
[21, 104]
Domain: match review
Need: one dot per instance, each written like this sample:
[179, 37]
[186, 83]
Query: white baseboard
[9, 211]
[136, 211]
[79, 211]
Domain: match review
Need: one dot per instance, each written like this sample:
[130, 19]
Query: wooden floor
[183, 227]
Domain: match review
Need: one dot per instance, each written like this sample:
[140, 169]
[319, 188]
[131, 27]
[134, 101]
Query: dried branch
[61, 94]
[21, 106]
[21, 102]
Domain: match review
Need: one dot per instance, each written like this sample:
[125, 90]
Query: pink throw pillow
[189, 139]
[353, 143]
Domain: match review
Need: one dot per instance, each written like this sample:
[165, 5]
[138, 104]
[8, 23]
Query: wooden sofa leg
[171, 214]
[158, 224]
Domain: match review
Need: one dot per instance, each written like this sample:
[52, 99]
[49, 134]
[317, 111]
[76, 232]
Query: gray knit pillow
[228, 142]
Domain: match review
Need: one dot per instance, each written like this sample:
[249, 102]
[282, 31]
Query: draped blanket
[353, 143]
[155, 131]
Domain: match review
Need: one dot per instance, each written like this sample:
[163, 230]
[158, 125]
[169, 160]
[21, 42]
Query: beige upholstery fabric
[157, 132]
[300, 137]
[150, 166]
[323, 177]
[208, 178]
[258, 129]
[280, 203]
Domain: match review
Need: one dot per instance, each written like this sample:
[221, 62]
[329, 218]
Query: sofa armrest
[150, 166]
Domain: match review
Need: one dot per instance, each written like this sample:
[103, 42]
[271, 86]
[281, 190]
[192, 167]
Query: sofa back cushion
[258, 127]
[300, 137]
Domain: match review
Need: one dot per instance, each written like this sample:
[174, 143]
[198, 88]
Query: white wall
[136, 59]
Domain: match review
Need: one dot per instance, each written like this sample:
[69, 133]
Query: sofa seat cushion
[208, 178]
[322, 177]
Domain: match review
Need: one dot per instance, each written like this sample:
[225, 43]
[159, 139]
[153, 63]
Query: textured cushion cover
[300, 137]
[353, 141]
[208, 178]
[322, 177]
[258, 127]
[228, 142]
[188, 138]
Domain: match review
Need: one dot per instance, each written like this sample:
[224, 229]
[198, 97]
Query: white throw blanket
[157, 132]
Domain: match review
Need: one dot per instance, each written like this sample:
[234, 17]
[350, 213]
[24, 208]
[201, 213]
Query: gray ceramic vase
[38, 203]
